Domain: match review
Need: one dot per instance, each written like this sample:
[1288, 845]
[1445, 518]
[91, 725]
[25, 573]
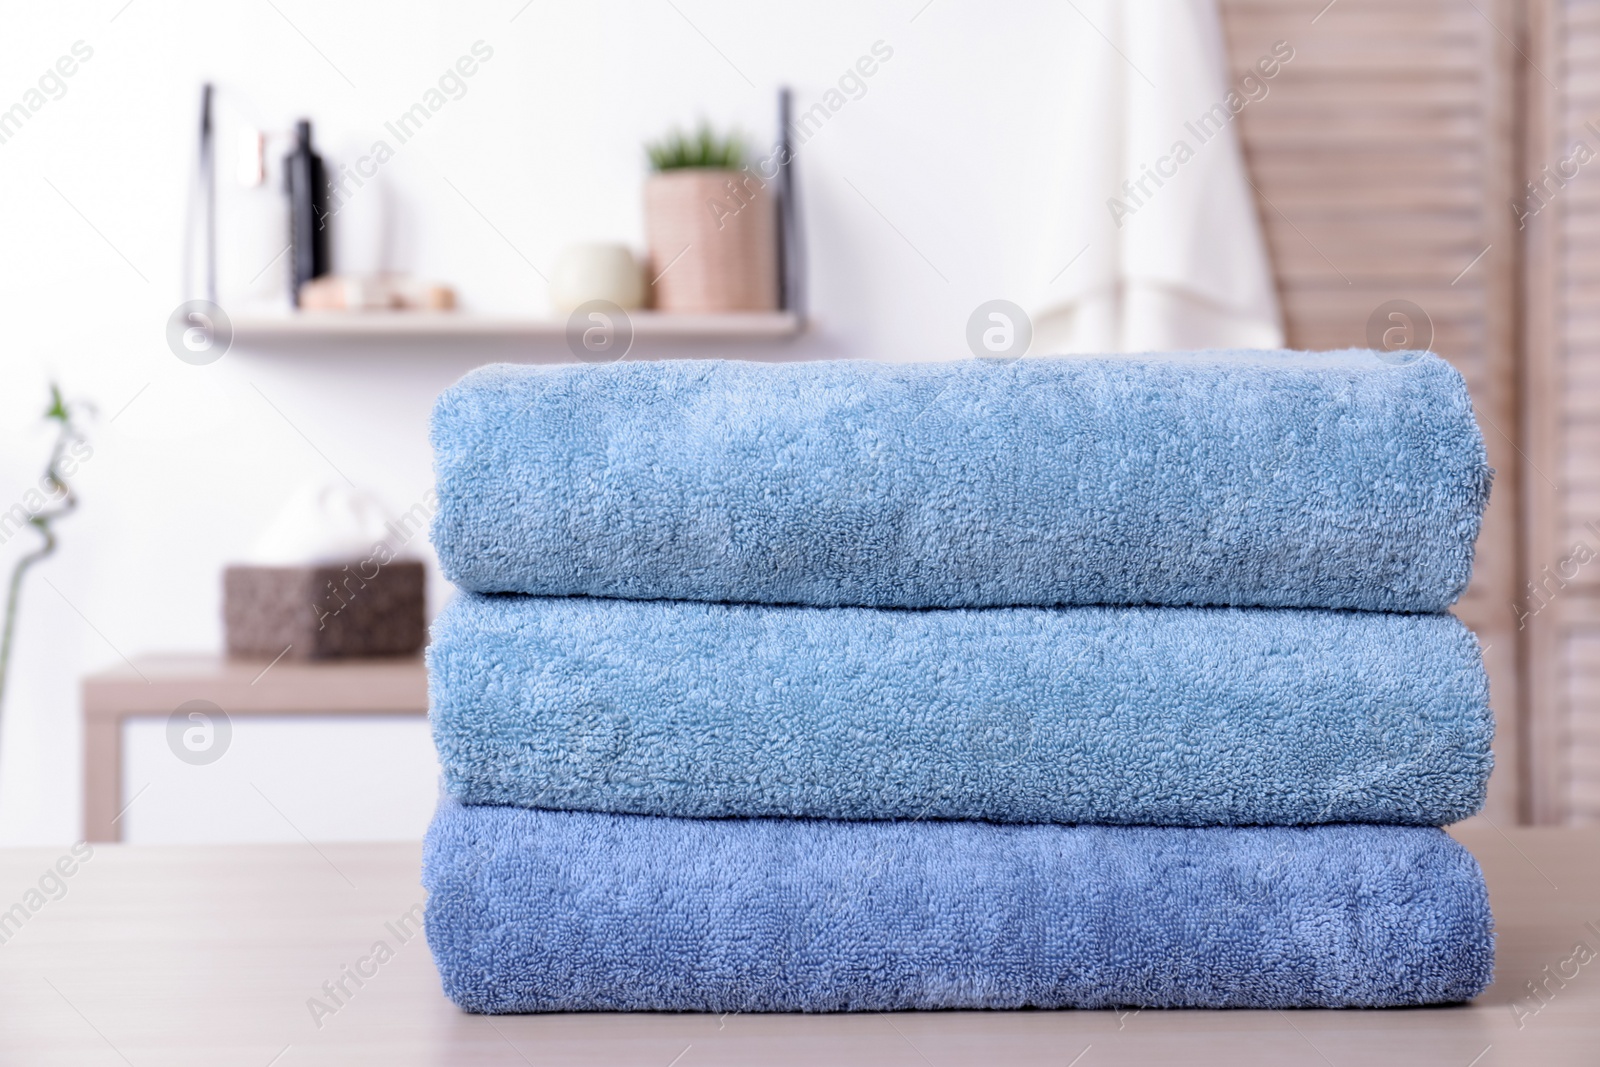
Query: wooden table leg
[102, 777]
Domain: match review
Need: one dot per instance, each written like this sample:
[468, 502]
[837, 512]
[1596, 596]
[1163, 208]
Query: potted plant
[711, 226]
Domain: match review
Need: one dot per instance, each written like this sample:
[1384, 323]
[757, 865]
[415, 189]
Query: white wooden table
[175, 955]
[156, 686]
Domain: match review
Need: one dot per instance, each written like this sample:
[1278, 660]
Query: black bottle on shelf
[306, 183]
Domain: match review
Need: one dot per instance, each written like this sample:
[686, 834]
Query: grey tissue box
[324, 611]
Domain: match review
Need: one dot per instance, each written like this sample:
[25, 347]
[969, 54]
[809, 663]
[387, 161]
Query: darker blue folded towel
[1177, 716]
[1276, 479]
[567, 911]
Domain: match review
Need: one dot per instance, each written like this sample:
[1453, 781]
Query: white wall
[923, 198]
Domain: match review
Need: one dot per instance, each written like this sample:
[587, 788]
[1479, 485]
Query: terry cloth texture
[1277, 479]
[570, 911]
[1177, 716]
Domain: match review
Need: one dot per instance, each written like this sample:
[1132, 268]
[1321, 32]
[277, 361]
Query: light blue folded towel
[1279, 479]
[1178, 716]
[570, 911]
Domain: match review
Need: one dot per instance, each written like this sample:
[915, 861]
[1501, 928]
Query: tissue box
[324, 611]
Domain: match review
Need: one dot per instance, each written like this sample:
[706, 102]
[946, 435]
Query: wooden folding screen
[1558, 199]
[1384, 154]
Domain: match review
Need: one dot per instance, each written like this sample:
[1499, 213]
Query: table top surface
[156, 685]
[212, 955]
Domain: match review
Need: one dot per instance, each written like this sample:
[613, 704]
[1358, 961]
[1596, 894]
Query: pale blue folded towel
[571, 911]
[1282, 479]
[1180, 716]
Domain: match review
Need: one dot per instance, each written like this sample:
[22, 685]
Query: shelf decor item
[305, 183]
[596, 271]
[711, 224]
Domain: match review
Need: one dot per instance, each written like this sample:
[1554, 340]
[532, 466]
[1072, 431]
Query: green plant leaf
[703, 149]
[58, 408]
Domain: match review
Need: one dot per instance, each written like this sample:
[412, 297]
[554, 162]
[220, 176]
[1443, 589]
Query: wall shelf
[437, 325]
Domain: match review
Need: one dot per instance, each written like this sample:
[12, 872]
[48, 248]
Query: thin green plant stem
[66, 434]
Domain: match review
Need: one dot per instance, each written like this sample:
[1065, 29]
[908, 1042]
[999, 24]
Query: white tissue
[323, 522]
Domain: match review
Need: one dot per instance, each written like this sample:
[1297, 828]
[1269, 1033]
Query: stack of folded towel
[859, 686]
